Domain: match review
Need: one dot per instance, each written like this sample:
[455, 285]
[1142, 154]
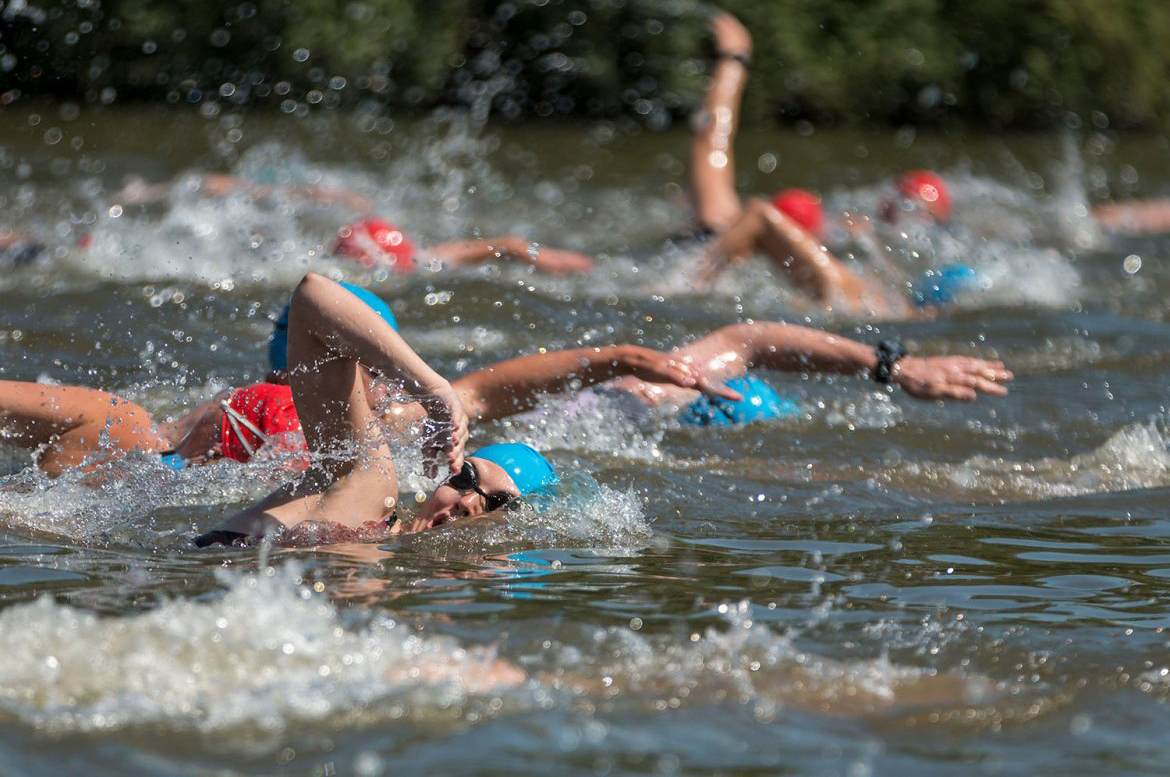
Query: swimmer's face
[449, 503]
[202, 442]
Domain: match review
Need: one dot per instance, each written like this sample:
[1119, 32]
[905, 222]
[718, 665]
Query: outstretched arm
[515, 385]
[712, 168]
[553, 260]
[812, 268]
[788, 347]
[352, 480]
[1134, 218]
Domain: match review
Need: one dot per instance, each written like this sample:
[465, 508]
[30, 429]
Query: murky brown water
[879, 586]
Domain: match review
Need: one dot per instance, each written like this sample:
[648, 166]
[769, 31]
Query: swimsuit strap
[235, 420]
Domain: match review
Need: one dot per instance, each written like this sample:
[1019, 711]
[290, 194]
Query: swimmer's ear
[718, 390]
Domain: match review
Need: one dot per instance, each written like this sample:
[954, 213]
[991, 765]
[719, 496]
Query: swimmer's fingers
[950, 377]
[991, 370]
[982, 375]
[987, 386]
[656, 366]
[446, 412]
[717, 390]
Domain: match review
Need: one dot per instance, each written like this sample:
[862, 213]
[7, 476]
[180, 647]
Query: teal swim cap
[529, 470]
[944, 285]
[278, 346]
[760, 401]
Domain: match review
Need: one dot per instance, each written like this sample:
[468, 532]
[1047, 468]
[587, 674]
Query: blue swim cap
[944, 285]
[528, 469]
[760, 401]
[278, 346]
[174, 460]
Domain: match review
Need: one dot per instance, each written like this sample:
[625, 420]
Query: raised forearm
[722, 103]
[325, 312]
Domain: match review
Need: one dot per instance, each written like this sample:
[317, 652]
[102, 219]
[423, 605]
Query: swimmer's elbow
[310, 292]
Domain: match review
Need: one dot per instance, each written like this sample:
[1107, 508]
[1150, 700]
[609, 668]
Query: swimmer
[64, 427]
[784, 229]
[372, 241]
[69, 426]
[725, 357]
[334, 348]
[331, 343]
[722, 357]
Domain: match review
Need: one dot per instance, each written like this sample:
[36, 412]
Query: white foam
[1136, 456]
[266, 654]
[269, 653]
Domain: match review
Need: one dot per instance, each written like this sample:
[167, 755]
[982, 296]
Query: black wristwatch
[888, 352]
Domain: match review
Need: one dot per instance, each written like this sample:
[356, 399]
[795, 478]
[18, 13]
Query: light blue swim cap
[760, 401]
[944, 285]
[174, 460]
[278, 346]
[528, 469]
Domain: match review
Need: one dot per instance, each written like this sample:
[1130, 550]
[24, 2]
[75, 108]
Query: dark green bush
[993, 62]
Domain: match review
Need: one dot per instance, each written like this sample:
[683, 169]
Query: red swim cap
[264, 407]
[803, 207]
[375, 242]
[927, 187]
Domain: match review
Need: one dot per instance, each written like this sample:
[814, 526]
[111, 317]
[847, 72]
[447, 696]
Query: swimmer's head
[760, 402]
[803, 207]
[375, 242]
[278, 346]
[919, 189]
[491, 477]
[264, 408]
[944, 285]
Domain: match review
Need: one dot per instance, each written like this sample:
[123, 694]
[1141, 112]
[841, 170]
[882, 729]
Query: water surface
[878, 586]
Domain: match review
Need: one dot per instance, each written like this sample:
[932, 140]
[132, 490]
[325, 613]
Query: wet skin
[449, 503]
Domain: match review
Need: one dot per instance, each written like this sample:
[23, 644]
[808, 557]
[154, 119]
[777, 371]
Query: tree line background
[993, 63]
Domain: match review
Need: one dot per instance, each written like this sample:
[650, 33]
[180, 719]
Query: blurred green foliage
[993, 62]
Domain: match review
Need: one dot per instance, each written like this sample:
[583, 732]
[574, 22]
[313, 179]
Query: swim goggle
[467, 479]
[235, 420]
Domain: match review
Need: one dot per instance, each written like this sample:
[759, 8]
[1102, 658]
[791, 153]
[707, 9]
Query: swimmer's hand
[950, 377]
[446, 412]
[731, 37]
[658, 367]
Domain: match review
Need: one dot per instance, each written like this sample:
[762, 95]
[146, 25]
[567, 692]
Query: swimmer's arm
[363, 495]
[793, 348]
[353, 477]
[325, 327]
[467, 252]
[1141, 217]
[712, 165]
[323, 313]
[327, 196]
[516, 385]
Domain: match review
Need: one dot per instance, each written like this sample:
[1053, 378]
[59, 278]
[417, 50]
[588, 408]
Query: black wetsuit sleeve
[220, 538]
